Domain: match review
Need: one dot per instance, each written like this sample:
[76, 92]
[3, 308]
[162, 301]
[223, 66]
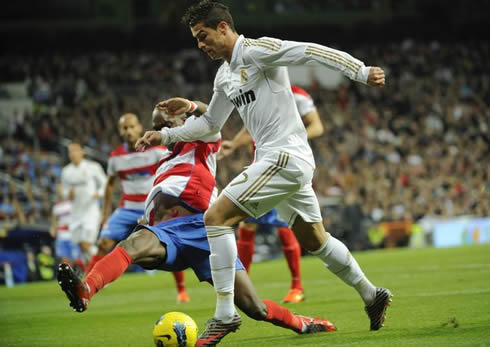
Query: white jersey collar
[236, 47]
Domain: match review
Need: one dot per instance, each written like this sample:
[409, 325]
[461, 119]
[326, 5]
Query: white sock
[338, 259]
[222, 259]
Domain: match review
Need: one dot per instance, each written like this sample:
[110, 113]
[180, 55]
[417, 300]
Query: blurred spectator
[419, 146]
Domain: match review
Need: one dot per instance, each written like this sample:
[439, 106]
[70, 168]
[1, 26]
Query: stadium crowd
[418, 147]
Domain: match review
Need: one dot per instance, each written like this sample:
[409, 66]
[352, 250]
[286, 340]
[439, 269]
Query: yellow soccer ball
[175, 329]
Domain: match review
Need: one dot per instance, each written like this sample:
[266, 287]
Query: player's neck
[130, 147]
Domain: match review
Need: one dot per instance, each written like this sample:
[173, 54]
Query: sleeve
[204, 127]
[268, 52]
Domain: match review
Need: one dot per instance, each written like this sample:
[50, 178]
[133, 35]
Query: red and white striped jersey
[187, 173]
[136, 170]
[303, 100]
[62, 213]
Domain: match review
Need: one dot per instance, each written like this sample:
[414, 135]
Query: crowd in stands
[418, 147]
[37, 172]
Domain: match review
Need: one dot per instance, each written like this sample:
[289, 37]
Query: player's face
[75, 153]
[130, 129]
[158, 123]
[211, 41]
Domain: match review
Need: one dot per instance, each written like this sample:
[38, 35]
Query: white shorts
[85, 230]
[278, 180]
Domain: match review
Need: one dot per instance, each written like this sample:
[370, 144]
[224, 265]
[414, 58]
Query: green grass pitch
[441, 298]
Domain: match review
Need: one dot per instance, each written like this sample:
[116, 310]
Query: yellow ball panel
[175, 329]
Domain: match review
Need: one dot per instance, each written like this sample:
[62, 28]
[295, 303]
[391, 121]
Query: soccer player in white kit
[247, 228]
[83, 182]
[254, 79]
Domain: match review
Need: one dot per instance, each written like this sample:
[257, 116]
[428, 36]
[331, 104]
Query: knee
[212, 218]
[140, 245]
[129, 246]
[311, 236]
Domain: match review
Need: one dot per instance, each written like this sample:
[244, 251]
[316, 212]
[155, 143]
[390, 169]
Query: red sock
[282, 317]
[292, 252]
[79, 262]
[108, 269]
[95, 258]
[179, 280]
[246, 245]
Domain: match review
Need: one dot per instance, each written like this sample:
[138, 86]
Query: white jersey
[62, 213]
[136, 170]
[88, 179]
[256, 82]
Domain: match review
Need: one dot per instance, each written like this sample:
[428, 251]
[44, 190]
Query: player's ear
[222, 27]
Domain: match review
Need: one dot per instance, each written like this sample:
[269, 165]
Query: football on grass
[175, 329]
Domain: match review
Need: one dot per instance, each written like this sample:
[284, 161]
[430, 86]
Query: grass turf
[441, 298]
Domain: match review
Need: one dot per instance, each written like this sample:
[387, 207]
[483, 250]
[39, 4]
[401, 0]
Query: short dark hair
[210, 13]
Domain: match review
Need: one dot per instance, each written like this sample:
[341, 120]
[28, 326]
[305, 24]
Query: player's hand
[226, 149]
[71, 193]
[149, 139]
[376, 77]
[174, 106]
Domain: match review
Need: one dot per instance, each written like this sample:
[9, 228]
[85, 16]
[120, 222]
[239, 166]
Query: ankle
[366, 290]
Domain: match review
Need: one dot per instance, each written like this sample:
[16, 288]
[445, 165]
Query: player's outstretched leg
[104, 246]
[75, 289]
[107, 270]
[248, 301]
[142, 248]
[292, 252]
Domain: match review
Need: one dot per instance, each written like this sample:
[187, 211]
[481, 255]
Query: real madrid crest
[244, 75]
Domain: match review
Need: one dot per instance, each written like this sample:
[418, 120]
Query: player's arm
[266, 52]
[108, 193]
[100, 180]
[174, 106]
[194, 128]
[313, 124]
[242, 138]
